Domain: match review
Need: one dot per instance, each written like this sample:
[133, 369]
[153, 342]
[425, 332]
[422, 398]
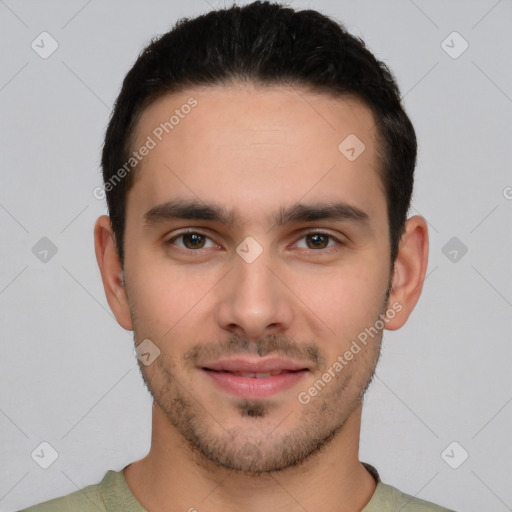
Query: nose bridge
[252, 279]
[255, 300]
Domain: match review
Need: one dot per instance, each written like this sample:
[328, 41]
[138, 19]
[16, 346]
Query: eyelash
[312, 232]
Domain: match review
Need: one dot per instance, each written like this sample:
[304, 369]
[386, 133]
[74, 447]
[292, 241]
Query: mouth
[259, 375]
[252, 379]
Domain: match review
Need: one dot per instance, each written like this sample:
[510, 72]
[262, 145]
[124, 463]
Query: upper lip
[255, 366]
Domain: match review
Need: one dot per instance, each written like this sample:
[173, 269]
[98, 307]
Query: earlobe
[112, 273]
[409, 271]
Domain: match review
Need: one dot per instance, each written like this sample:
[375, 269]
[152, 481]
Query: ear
[409, 271]
[111, 271]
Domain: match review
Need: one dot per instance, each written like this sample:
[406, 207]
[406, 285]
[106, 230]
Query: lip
[259, 365]
[222, 374]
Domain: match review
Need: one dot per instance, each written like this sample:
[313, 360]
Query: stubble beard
[256, 451]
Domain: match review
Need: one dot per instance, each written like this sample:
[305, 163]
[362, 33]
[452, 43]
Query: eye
[318, 240]
[191, 240]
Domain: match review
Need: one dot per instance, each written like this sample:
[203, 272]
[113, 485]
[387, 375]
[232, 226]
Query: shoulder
[412, 504]
[388, 498]
[88, 499]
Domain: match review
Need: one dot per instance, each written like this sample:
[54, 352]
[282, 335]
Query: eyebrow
[197, 210]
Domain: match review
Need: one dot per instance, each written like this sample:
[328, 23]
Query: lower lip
[253, 387]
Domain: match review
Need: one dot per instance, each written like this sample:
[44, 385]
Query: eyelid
[313, 231]
[186, 231]
[318, 231]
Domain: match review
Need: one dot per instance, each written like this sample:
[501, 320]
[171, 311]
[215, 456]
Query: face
[256, 254]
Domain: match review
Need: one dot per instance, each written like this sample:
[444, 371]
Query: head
[258, 169]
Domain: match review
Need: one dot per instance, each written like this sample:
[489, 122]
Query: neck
[173, 477]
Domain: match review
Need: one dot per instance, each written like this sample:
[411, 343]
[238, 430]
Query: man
[258, 168]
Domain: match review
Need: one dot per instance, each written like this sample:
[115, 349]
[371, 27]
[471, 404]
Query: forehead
[257, 147]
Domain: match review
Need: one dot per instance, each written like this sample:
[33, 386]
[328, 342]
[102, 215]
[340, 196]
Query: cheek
[345, 300]
[166, 297]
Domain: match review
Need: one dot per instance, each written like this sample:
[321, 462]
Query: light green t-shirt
[112, 494]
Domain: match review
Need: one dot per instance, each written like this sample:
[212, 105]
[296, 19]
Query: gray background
[68, 373]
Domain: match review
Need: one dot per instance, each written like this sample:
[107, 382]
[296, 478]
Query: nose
[254, 302]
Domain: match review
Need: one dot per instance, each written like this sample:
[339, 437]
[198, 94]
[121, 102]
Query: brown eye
[193, 240]
[317, 240]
